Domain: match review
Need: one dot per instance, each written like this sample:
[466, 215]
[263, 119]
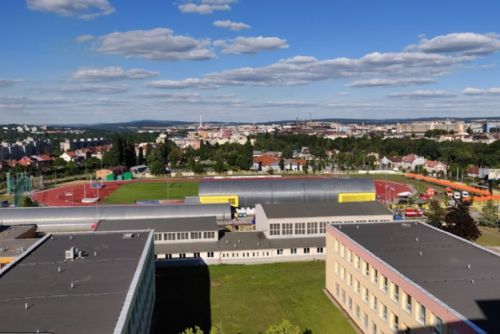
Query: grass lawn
[246, 299]
[489, 236]
[131, 192]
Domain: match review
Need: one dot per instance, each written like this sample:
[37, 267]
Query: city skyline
[102, 61]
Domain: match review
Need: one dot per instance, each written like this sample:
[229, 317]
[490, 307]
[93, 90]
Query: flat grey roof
[101, 283]
[234, 241]
[324, 209]
[161, 225]
[15, 247]
[442, 267]
[14, 232]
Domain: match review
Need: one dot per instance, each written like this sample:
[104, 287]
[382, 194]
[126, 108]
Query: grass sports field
[131, 192]
[246, 299]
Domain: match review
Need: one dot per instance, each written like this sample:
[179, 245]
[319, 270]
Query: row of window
[297, 228]
[383, 284]
[305, 250]
[172, 236]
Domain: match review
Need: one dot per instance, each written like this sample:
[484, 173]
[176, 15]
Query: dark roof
[441, 269]
[101, 284]
[324, 209]
[233, 241]
[161, 225]
[14, 232]
[15, 247]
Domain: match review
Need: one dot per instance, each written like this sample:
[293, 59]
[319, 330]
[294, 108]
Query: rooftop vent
[128, 235]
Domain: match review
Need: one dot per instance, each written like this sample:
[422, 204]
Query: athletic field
[129, 193]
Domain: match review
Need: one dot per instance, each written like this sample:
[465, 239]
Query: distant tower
[201, 121]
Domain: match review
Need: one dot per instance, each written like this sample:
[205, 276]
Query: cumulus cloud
[205, 7]
[390, 82]
[83, 9]
[423, 94]
[98, 89]
[235, 26]
[301, 70]
[7, 82]
[247, 45]
[481, 91]
[154, 44]
[112, 73]
[465, 42]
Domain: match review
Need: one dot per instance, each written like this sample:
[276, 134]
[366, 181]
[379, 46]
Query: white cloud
[84, 38]
[205, 7]
[235, 26]
[423, 94]
[83, 9]
[7, 82]
[241, 45]
[302, 70]
[390, 82]
[154, 44]
[98, 89]
[112, 73]
[481, 91]
[466, 43]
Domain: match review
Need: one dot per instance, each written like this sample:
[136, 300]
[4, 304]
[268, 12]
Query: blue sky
[72, 61]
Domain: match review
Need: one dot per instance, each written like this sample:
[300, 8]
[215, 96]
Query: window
[279, 251]
[335, 245]
[365, 295]
[182, 255]
[337, 289]
[342, 250]
[210, 254]
[374, 328]
[408, 303]
[395, 293]
[366, 270]
[196, 255]
[349, 256]
[306, 250]
[438, 325]
[349, 303]
[343, 296]
[293, 250]
[322, 227]
[195, 235]
[275, 229]
[158, 236]
[356, 311]
[356, 261]
[421, 314]
[383, 312]
[312, 228]
[300, 228]
[375, 276]
[336, 267]
[287, 229]
[365, 320]
[374, 303]
[357, 286]
[349, 279]
[385, 283]
[169, 236]
[395, 322]
[342, 273]
[168, 256]
[208, 235]
[182, 235]
[319, 250]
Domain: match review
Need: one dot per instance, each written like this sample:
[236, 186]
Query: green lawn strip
[131, 192]
[489, 236]
[248, 299]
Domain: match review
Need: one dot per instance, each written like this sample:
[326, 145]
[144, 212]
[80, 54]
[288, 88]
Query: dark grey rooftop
[324, 209]
[161, 225]
[15, 247]
[233, 241]
[14, 232]
[441, 269]
[101, 282]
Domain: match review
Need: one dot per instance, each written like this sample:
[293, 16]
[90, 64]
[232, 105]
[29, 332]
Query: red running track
[388, 191]
[72, 195]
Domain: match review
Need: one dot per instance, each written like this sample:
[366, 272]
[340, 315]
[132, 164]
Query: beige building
[408, 277]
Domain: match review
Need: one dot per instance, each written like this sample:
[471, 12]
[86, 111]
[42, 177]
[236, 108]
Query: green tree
[436, 213]
[459, 222]
[489, 215]
[28, 202]
[282, 164]
[157, 167]
[285, 327]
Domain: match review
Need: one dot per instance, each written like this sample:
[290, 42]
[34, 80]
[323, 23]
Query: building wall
[262, 223]
[366, 289]
[251, 256]
[185, 236]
